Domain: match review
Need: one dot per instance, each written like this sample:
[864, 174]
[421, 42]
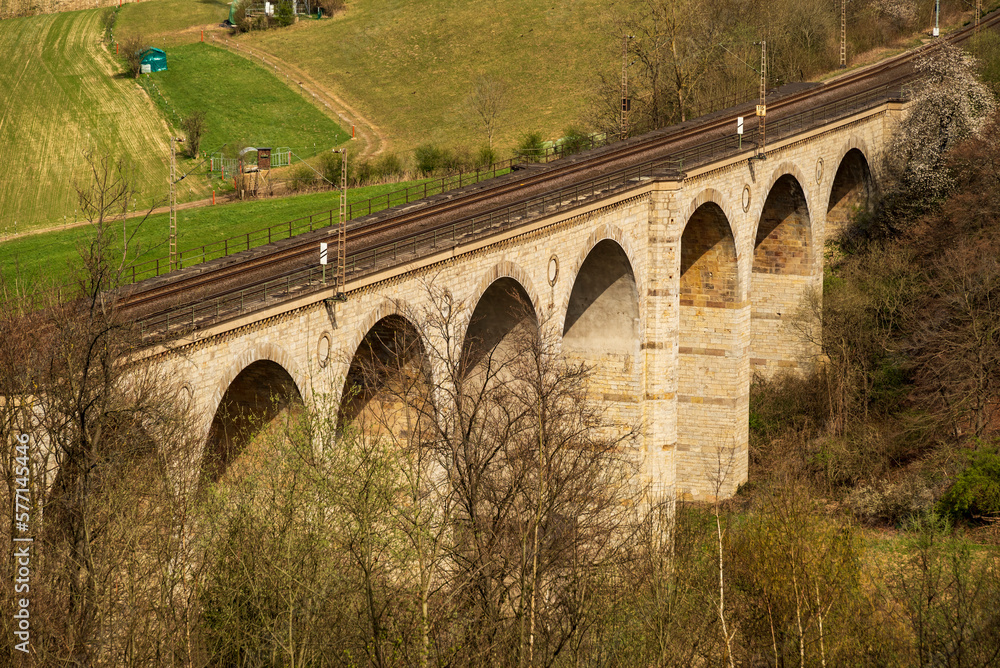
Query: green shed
[152, 60]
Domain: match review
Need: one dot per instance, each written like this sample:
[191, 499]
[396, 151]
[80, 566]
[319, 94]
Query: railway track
[286, 267]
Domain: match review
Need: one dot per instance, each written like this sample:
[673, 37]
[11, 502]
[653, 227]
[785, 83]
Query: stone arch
[783, 233]
[711, 195]
[504, 310]
[266, 351]
[384, 309]
[507, 269]
[388, 376]
[602, 310]
[851, 186]
[254, 391]
[709, 262]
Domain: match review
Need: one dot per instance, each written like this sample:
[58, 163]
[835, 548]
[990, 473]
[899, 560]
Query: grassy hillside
[410, 66]
[36, 255]
[61, 98]
[169, 22]
[244, 103]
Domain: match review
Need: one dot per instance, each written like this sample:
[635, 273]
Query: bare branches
[490, 100]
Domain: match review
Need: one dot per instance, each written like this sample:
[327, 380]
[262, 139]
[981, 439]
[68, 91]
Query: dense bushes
[976, 491]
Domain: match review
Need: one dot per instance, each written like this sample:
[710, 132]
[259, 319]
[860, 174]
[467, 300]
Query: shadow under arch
[850, 192]
[390, 367]
[504, 312]
[603, 310]
[782, 244]
[259, 394]
[709, 274]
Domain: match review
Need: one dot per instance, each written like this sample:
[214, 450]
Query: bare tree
[194, 126]
[490, 100]
[106, 431]
[132, 45]
[674, 45]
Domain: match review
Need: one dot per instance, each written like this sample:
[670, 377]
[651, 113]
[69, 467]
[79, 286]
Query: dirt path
[374, 141]
[134, 214]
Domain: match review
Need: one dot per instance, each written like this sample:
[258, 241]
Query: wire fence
[423, 244]
[312, 222]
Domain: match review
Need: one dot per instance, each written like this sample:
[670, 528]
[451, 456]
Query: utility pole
[843, 33]
[762, 107]
[626, 103]
[342, 228]
[937, 17]
[173, 200]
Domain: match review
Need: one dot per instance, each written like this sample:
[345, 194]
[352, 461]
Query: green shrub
[362, 173]
[458, 159]
[302, 178]
[429, 158]
[330, 165]
[531, 147]
[976, 491]
[388, 165]
[283, 15]
[574, 140]
[486, 157]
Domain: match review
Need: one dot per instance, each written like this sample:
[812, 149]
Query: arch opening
[850, 192]
[708, 259]
[782, 242]
[603, 310]
[257, 397]
[502, 319]
[712, 378]
[781, 278]
[387, 378]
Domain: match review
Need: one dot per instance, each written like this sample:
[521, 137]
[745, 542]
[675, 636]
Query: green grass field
[244, 104]
[170, 22]
[54, 254]
[410, 66]
[60, 99]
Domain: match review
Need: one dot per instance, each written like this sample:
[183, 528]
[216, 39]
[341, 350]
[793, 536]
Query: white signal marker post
[739, 129]
[322, 258]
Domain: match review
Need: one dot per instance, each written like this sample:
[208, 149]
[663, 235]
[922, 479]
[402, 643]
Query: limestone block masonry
[677, 292]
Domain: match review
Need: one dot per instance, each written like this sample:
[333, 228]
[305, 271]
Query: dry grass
[62, 97]
[410, 67]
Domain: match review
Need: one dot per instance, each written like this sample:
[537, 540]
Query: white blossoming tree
[949, 105]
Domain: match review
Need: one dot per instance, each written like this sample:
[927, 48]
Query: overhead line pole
[762, 107]
[173, 201]
[342, 228]
[626, 103]
[843, 33]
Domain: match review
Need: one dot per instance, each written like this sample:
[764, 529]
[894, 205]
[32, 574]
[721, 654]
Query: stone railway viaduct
[676, 291]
